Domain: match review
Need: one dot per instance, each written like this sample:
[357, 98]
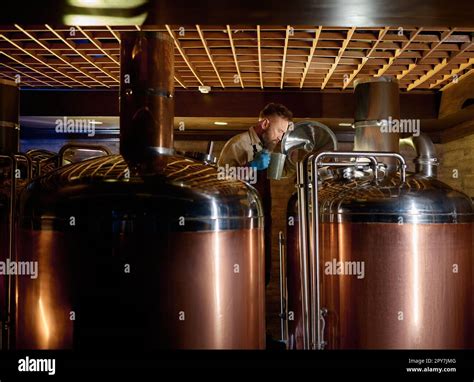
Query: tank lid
[419, 200]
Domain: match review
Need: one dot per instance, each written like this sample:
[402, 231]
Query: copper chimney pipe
[9, 116]
[146, 94]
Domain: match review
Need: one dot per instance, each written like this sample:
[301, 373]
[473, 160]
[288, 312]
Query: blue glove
[261, 160]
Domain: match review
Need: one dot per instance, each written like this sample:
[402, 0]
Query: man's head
[274, 120]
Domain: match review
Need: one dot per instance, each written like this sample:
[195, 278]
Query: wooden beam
[34, 69]
[259, 56]
[97, 44]
[201, 36]
[285, 49]
[464, 76]
[61, 58]
[311, 55]
[445, 36]
[22, 74]
[40, 61]
[338, 58]
[183, 55]
[452, 73]
[382, 34]
[398, 52]
[458, 131]
[223, 103]
[79, 53]
[440, 66]
[117, 37]
[4, 75]
[229, 32]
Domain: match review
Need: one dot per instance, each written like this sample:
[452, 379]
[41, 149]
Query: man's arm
[232, 154]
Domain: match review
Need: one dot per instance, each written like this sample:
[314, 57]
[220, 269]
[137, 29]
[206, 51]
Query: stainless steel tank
[394, 267]
[145, 250]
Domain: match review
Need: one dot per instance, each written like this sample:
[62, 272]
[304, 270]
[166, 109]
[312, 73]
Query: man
[252, 148]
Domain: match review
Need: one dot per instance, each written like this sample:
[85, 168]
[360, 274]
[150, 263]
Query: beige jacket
[239, 150]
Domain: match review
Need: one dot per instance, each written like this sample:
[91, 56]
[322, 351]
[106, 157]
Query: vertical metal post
[283, 288]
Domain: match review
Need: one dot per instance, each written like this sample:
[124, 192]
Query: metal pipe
[426, 162]
[6, 320]
[283, 288]
[80, 146]
[146, 94]
[315, 292]
[210, 148]
[301, 185]
[29, 165]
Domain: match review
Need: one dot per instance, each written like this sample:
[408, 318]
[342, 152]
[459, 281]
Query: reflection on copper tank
[390, 253]
[146, 250]
[415, 289]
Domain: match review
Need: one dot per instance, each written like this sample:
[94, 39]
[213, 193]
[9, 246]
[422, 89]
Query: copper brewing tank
[9, 145]
[9, 116]
[396, 258]
[145, 250]
[416, 246]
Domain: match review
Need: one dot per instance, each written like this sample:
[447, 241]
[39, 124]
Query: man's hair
[276, 109]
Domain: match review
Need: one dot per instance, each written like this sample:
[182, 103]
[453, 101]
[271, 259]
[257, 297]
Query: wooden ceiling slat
[204, 43]
[183, 55]
[283, 61]
[66, 61]
[259, 56]
[437, 68]
[229, 32]
[452, 73]
[70, 46]
[382, 34]
[264, 56]
[435, 46]
[399, 52]
[309, 62]
[339, 55]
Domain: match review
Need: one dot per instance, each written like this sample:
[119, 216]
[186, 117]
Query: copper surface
[294, 303]
[187, 290]
[9, 115]
[411, 296]
[146, 92]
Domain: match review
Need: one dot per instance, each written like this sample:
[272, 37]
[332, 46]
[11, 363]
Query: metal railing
[308, 209]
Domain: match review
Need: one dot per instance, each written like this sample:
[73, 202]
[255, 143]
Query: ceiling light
[204, 89]
[345, 124]
[220, 123]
